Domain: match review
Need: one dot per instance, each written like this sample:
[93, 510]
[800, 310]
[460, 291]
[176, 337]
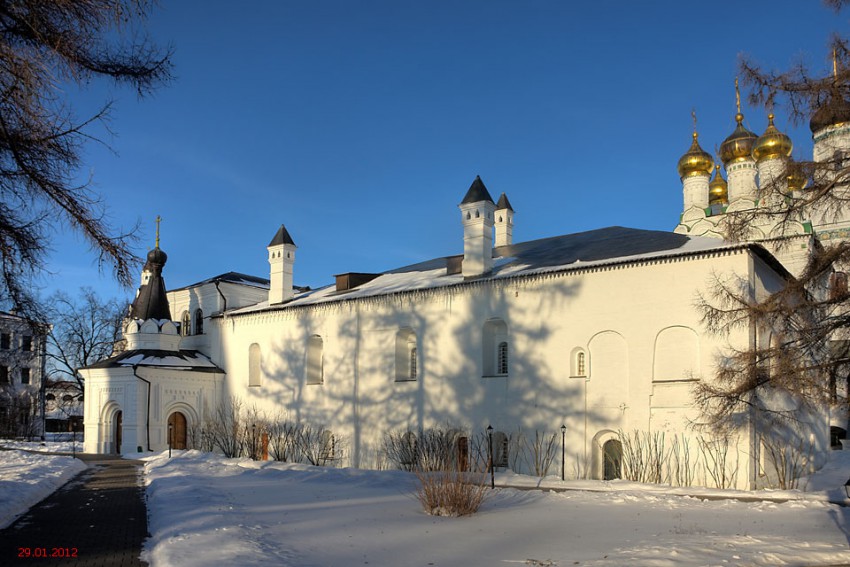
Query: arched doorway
[117, 430]
[177, 430]
[613, 458]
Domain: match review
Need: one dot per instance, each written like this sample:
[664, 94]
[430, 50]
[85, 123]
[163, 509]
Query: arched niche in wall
[676, 356]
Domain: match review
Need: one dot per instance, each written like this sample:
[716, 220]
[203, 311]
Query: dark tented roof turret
[504, 203]
[151, 302]
[477, 192]
[281, 237]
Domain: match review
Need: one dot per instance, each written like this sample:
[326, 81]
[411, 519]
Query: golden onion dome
[796, 177]
[739, 145]
[718, 190]
[696, 161]
[772, 144]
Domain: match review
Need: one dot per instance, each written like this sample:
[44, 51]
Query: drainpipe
[223, 298]
[148, 414]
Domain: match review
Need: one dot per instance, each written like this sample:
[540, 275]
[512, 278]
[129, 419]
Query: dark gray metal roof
[594, 249]
[477, 192]
[281, 237]
[589, 246]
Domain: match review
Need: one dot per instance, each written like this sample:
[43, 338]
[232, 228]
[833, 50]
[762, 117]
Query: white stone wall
[619, 317]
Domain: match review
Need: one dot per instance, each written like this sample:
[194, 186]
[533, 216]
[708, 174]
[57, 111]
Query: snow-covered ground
[206, 510]
[26, 478]
[43, 446]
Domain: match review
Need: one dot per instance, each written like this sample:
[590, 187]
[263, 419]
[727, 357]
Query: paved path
[100, 514]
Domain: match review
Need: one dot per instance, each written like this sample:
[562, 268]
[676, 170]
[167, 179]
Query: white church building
[597, 331]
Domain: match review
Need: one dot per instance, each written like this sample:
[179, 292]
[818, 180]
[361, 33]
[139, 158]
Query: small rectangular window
[26, 343]
[4, 374]
[5, 341]
[25, 375]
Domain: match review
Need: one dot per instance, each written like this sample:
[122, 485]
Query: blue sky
[361, 124]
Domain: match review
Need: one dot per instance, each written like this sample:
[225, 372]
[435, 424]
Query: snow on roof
[173, 360]
[232, 278]
[606, 246]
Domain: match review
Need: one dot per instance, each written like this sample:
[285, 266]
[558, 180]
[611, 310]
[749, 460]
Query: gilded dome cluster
[740, 145]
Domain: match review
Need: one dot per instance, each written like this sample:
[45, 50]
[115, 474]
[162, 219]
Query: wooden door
[177, 427]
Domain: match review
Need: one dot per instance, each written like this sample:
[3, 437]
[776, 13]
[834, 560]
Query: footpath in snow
[26, 478]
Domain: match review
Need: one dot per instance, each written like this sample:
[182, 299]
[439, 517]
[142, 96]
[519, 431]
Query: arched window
[503, 358]
[199, 322]
[50, 397]
[406, 355]
[254, 366]
[185, 324]
[495, 348]
[578, 362]
[315, 363]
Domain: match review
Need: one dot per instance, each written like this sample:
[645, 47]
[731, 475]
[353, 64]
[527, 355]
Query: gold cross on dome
[158, 220]
[737, 96]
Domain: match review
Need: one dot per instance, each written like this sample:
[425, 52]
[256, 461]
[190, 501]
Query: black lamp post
[73, 437]
[169, 439]
[490, 455]
[563, 449]
[254, 441]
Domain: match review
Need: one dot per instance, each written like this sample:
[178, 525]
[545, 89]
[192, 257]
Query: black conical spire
[477, 192]
[151, 302]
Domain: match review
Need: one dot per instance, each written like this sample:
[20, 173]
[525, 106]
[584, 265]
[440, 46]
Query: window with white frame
[25, 376]
[185, 324]
[315, 362]
[255, 365]
[495, 348]
[502, 366]
[406, 356]
[578, 362]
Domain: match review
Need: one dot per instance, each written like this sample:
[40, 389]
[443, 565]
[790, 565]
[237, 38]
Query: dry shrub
[451, 493]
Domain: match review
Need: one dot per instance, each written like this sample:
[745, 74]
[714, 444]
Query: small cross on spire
[158, 220]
